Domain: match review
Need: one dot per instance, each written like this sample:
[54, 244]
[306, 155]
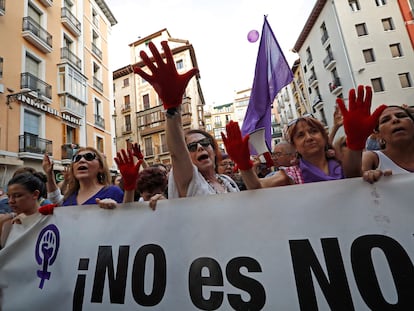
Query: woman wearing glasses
[312, 144]
[195, 154]
[89, 181]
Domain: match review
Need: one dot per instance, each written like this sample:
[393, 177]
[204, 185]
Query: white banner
[340, 245]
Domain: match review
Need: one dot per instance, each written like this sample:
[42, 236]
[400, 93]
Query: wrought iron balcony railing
[96, 50]
[33, 144]
[70, 21]
[37, 35]
[99, 121]
[97, 84]
[67, 54]
[30, 81]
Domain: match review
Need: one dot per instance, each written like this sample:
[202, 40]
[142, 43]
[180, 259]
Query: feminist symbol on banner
[47, 247]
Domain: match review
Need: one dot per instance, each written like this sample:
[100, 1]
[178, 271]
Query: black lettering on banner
[252, 286]
[160, 275]
[401, 269]
[117, 283]
[335, 288]
[79, 291]
[196, 282]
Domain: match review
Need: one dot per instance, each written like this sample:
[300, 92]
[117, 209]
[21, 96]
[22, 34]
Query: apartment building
[348, 43]
[54, 81]
[139, 114]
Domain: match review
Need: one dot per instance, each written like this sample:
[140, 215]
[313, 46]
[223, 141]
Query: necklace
[221, 182]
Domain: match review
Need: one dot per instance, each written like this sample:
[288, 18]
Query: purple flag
[271, 75]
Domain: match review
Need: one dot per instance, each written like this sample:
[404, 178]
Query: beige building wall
[143, 121]
[47, 88]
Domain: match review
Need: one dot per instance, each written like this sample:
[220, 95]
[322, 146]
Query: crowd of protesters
[375, 144]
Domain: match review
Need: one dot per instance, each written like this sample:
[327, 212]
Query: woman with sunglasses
[195, 154]
[395, 132]
[312, 144]
[89, 181]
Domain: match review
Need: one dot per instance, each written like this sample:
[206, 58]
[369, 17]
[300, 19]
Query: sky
[217, 29]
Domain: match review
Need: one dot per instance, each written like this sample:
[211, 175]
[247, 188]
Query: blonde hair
[103, 177]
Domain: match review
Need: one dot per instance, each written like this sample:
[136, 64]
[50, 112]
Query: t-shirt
[199, 186]
[109, 192]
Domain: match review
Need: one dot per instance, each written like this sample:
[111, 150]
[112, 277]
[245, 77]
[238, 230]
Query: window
[72, 82]
[34, 13]
[396, 50]
[163, 140]
[354, 5]
[324, 33]
[369, 55]
[308, 56]
[405, 80]
[361, 29]
[380, 2]
[31, 123]
[217, 121]
[98, 107]
[146, 101]
[1, 67]
[100, 145]
[127, 100]
[377, 85]
[126, 82]
[149, 151]
[95, 18]
[179, 64]
[32, 65]
[128, 123]
[388, 24]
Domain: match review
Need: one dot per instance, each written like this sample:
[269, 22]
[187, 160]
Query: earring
[382, 143]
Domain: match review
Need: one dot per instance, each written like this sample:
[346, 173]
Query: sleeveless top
[385, 163]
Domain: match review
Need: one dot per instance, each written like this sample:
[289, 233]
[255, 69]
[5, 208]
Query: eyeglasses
[224, 164]
[89, 156]
[306, 115]
[205, 142]
[279, 154]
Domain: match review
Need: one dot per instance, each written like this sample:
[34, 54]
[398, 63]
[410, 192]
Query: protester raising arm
[129, 172]
[359, 123]
[170, 86]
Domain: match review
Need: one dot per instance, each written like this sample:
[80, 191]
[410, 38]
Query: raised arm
[170, 86]
[237, 148]
[359, 123]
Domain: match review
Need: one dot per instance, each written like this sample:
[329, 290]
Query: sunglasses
[205, 142]
[306, 115]
[89, 156]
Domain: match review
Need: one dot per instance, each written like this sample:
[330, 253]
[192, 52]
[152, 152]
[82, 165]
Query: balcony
[47, 3]
[32, 146]
[152, 120]
[313, 81]
[2, 7]
[316, 100]
[329, 61]
[68, 150]
[70, 21]
[97, 84]
[66, 54]
[99, 121]
[126, 108]
[96, 51]
[335, 86]
[72, 105]
[36, 35]
[31, 82]
[126, 129]
[324, 37]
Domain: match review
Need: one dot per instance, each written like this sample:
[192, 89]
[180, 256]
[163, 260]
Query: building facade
[54, 81]
[349, 43]
[139, 113]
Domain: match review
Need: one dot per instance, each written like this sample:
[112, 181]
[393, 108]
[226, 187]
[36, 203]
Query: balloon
[252, 36]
